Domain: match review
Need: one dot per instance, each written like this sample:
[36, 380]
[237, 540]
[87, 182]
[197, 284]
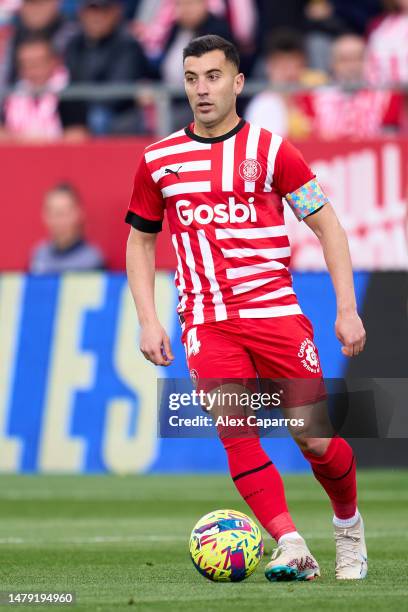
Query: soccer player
[221, 181]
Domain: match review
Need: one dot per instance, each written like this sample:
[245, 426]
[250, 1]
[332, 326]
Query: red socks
[336, 472]
[259, 483]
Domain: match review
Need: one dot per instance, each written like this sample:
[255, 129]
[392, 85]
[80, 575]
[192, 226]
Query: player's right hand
[155, 344]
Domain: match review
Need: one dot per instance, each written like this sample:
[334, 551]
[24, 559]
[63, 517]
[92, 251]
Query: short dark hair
[284, 40]
[211, 42]
[36, 38]
[67, 188]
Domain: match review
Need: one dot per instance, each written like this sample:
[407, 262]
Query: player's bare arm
[140, 265]
[349, 327]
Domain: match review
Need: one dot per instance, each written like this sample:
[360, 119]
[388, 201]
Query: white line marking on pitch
[167, 538]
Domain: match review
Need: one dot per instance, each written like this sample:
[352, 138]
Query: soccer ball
[226, 546]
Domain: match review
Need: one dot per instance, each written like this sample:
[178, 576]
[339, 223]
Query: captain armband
[307, 199]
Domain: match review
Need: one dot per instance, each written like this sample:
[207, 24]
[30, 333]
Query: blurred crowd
[331, 68]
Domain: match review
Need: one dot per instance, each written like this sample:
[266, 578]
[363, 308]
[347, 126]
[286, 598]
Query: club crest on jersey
[308, 355]
[250, 170]
[194, 376]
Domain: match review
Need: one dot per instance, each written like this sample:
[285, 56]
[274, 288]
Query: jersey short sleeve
[296, 182]
[146, 208]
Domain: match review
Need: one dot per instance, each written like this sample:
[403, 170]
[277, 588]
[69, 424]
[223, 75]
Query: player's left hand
[351, 333]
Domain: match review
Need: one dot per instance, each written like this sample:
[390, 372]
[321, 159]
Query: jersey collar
[189, 132]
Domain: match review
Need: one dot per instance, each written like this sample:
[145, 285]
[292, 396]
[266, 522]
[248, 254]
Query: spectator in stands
[40, 17]
[322, 26]
[387, 51]
[285, 113]
[192, 19]
[33, 111]
[154, 20]
[66, 250]
[339, 112]
[104, 52]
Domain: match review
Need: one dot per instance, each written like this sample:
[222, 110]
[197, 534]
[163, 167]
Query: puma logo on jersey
[233, 212]
[176, 172]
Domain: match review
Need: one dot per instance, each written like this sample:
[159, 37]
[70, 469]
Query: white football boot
[292, 560]
[351, 552]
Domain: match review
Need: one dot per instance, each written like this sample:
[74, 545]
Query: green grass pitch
[121, 543]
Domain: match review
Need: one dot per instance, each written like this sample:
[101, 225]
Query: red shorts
[273, 348]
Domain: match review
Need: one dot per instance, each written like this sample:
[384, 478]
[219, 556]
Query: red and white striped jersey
[223, 198]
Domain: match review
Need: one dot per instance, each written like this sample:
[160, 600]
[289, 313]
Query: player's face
[212, 84]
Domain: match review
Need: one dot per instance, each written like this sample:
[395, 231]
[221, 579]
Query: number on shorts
[193, 344]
